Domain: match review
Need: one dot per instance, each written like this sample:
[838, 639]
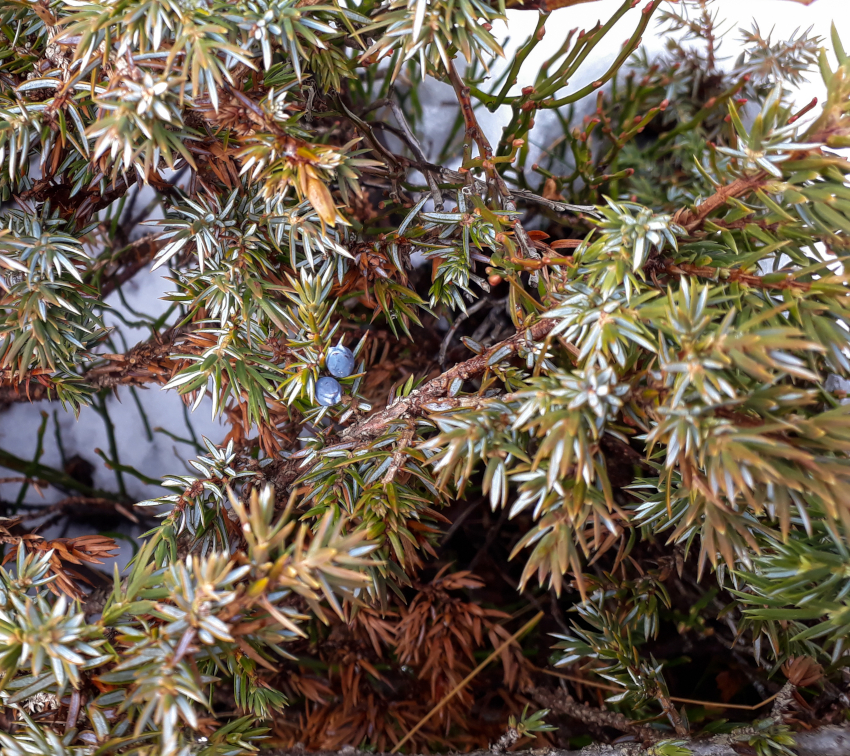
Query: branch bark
[734, 274]
[414, 404]
[561, 702]
[417, 150]
[282, 473]
[456, 178]
[693, 220]
[473, 130]
[823, 741]
[120, 268]
[146, 362]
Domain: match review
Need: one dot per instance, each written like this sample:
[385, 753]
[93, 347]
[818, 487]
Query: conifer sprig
[458, 383]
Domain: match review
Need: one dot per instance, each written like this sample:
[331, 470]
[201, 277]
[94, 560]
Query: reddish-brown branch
[692, 220]
[414, 405]
[734, 275]
[560, 702]
[116, 270]
[284, 472]
[805, 109]
[473, 130]
[147, 362]
[82, 204]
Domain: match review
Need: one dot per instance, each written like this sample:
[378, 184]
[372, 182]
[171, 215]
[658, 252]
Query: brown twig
[413, 142]
[147, 362]
[414, 404]
[473, 130]
[692, 220]
[398, 456]
[23, 479]
[125, 264]
[556, 205]
[431, 397]
[736, 275]
[830, 740]
[671, 713]
[84, 203]
[562, 703]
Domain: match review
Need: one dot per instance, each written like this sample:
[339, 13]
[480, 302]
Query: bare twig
[824, 741]
[557, 206]
[447, 339]
[693, 220]
[147, 362]
[398, 456]
[415, 403]
[417, 150]
[117, 269]
[508, 740]
[473, 130]
[734, 274]
[695, 702]
[431, 397]
[562, 703]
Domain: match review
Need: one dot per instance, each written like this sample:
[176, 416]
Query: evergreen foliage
[631, 350]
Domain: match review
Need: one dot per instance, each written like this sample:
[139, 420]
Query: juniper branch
[830, 740]
[415, 404]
